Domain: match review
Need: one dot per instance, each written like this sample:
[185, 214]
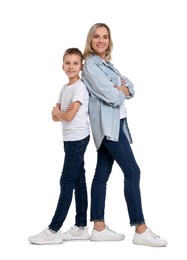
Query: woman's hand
[124, 89]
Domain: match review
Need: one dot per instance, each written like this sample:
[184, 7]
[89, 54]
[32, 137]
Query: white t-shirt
[79, 127]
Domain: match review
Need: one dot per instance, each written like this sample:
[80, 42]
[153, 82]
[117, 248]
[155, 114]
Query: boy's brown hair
[71, 51]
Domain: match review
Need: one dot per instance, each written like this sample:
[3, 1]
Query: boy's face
[72, 65]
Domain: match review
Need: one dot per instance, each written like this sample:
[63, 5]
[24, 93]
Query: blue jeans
[72, 178]
[122, 153]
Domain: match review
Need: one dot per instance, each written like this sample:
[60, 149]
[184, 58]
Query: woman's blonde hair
[88, 50]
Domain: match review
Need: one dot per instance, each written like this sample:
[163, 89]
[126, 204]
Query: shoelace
[153, 235]
[110, 230]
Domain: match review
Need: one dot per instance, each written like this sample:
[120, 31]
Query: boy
[76, 134]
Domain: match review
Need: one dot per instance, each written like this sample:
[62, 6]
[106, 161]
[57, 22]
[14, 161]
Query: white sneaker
[148, 238]
[76, 233]
[106, 235]
[46, 237]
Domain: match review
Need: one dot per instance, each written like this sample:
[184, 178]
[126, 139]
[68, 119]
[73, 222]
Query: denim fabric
[104, 106]
[122, 153]
[72, 178]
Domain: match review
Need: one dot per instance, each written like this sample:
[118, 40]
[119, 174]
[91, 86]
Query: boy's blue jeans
[72, 178]
[122, 153]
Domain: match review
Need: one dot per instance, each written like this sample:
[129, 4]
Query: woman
[108, 92]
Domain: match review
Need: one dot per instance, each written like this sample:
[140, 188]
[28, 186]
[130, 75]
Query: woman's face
[100, 41]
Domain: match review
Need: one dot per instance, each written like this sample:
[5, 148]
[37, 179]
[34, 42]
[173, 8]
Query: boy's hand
[55, 110]
[70, 107]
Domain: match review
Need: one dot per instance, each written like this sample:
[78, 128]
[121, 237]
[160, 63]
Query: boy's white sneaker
[106, 235]
[148, 238]
[46, 237]
[76, 233]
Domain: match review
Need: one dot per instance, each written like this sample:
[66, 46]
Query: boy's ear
[81, 66]
[62, 66]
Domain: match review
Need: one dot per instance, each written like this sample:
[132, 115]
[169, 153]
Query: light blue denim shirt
[101, 78]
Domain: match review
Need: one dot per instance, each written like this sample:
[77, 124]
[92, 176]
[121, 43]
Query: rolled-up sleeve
[130, 86]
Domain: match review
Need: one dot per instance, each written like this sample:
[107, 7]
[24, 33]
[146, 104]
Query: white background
[150, 49]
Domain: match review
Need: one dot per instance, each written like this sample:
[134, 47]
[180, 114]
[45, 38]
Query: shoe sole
[76, 239]
[105, 239]
[146, 244]
[46, 243]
